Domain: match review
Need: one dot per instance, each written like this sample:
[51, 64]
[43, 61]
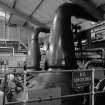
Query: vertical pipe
[34, 56]
[20, 29]
[34, 51]
[93, 84]
[5, 86]
[25, 89]
[8, 32]
[5, 26]
[61, 38]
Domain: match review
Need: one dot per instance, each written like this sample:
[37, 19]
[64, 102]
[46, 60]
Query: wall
[15, 33]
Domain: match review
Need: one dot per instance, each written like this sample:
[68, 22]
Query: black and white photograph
[52, 52]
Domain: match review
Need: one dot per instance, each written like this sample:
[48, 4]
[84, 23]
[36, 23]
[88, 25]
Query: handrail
[92, 92]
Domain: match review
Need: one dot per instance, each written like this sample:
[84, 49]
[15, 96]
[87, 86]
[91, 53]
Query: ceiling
[31, 13]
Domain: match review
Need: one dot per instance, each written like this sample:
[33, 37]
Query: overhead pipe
[34, 50]
[61, 38]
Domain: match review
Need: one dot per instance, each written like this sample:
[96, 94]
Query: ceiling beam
[14, 4]
[21, 14]
[35, 9]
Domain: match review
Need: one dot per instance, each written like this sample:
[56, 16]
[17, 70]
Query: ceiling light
[3, 14]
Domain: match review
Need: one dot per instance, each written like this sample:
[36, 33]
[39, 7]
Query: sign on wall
[81, 78]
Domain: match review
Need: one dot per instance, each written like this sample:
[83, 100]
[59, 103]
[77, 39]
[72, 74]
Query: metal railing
[92, 92]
